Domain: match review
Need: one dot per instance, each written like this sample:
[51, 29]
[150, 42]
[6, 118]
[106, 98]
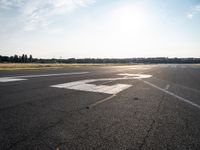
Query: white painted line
[101, 101]
[172, 94]
[84, 85]
[140, 68]
[136, 76]
[48, 75]
[181, 86]
[10, 79]
[20, 78]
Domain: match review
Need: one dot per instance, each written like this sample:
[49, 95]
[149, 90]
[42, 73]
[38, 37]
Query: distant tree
[25, 58]
[11, 59]
[16, 58]
[22, 58]
[4, 59]
[30, 58]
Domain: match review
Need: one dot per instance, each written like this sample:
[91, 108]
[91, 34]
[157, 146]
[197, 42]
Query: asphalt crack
[144, 140]
[147, 134]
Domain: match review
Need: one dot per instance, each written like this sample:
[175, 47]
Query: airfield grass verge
[20, 66]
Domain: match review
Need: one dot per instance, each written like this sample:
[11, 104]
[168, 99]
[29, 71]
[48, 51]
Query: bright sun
[130, 18]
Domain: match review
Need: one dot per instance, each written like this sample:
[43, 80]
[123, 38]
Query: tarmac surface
[137, 107]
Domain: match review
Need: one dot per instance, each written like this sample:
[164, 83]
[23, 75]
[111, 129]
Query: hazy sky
[100, 28]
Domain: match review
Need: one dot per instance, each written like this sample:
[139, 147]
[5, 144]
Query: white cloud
[55, 30]
[193, 12]
[8, 4]
[36, 14]
[5, 4]
[190, 15]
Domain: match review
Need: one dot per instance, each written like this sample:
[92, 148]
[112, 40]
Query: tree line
[24, 58]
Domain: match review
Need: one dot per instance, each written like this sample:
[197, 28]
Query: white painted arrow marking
[84, 85]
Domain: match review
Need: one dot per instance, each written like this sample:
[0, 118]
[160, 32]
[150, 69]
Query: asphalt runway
[137, 107]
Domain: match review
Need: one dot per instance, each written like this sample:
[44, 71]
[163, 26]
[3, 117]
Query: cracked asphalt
[35, 116]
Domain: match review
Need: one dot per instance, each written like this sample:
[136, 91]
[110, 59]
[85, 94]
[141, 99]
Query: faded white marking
[141, 68]
[48, 75]
[172, 94]
[181, 86]
[136, 76]
[101, 101]
[20, 78]
[84, 86]
[173, 66]
[10, 79]
[167, 87]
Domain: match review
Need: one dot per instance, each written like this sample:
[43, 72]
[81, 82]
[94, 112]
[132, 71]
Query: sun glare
[130, 19]
[130, 27]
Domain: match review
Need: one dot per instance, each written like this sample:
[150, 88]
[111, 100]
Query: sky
[100, 28]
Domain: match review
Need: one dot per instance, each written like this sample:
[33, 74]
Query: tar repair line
[172, 94]
[19, 78]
